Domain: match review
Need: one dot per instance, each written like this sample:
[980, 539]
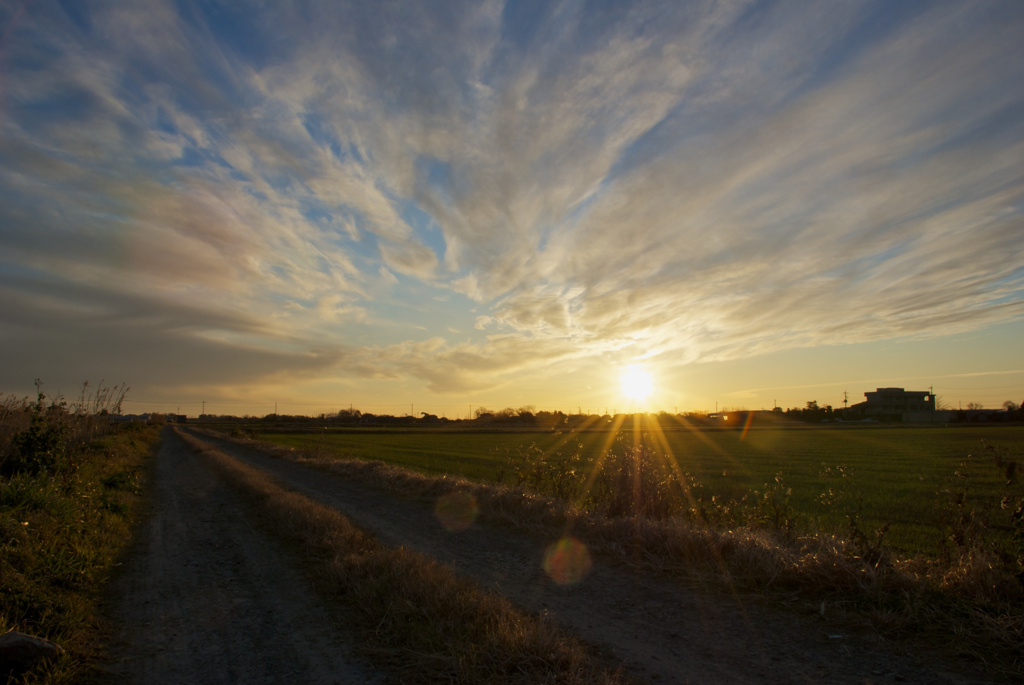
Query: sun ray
[599, 459]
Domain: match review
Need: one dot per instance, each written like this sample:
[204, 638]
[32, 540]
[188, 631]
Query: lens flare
[567, 561]
[456, 510]
[746, 426]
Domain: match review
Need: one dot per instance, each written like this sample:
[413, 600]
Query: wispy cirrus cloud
[693, 182]
[853, 207]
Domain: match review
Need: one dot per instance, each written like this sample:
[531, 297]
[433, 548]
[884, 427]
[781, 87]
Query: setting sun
[636, 383]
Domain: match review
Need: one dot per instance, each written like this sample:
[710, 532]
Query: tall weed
[634, 480]
[982, 528]
[773, 508]
[551, 473]
[842, 506]
[45, 436]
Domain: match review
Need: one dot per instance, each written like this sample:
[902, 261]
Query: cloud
[469, 367]
[334, 308]
[64, 334]
[846, 210]
[410, 259]
[699, 181]
[541, 311]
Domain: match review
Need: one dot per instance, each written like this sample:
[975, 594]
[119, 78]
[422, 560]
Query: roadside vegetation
[964, 595]
[416, 618]
[71, 486]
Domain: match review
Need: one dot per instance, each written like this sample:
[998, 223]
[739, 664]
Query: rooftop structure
[896, 404]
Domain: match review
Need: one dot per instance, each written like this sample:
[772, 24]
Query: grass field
[902, 476]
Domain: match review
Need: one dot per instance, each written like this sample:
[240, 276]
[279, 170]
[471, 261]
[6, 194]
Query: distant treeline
[527, 417]
[511, 418]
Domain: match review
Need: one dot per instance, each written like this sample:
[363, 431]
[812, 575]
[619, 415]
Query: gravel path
[205, 599]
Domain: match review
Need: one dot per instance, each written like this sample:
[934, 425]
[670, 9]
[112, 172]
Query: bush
[625, 481]
[984, 531]
[549, 473]
[635, 481]
[54, 433]
[43, 447]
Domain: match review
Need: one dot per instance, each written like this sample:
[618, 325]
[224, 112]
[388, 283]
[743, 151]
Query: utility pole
[844, 399]
[204, 407]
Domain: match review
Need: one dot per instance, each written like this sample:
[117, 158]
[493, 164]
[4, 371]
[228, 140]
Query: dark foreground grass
[897, 477]
[417, 619]
[61, 535]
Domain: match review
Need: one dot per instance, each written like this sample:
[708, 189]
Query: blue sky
[445, 204]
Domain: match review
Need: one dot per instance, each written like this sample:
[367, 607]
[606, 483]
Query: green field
[894, 475]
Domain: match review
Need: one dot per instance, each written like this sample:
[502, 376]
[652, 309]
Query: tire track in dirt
[661, 631]
[204, 597]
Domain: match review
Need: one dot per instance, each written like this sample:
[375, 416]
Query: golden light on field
[636, 383]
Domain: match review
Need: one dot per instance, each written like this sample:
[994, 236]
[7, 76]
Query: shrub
[43, 447]
[774, 509]
[45, 436]
[549, 473]
[636, 481]
[984, 532]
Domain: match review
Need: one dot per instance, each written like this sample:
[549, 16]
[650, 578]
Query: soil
[206, 598]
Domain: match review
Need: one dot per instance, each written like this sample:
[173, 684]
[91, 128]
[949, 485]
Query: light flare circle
[567, 561]
[456, 510]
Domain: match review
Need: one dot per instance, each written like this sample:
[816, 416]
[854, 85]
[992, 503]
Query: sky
[435, 206]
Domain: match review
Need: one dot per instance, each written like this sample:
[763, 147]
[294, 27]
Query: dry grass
[416, 617]
[970, 605]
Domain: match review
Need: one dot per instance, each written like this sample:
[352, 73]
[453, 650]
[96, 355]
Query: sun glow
[636, 383]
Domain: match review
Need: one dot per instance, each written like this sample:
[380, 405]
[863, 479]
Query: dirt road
[208, 600]
[205, 598]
